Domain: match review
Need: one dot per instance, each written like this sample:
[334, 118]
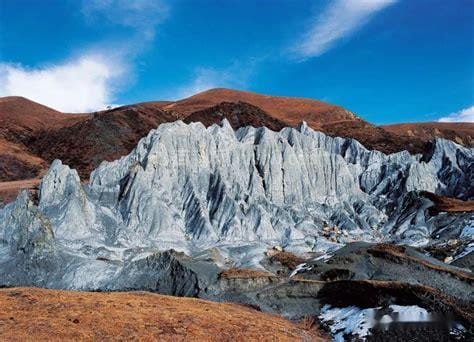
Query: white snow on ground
[299, 268]
[411, 313]
[350, 320]
[324, 257]
[355, 321]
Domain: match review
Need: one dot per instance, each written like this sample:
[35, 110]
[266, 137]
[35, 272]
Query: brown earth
[20, 114]
[16, 162]
[20, 121]
[376, 138]
[32, 136]
[31, 314]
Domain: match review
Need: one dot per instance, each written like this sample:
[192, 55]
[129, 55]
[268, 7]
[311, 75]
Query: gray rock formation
[227, 193]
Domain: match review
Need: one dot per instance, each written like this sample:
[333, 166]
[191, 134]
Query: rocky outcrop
[28, 251]
[223, 197]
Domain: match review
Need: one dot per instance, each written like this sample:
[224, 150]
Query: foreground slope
[29, 313]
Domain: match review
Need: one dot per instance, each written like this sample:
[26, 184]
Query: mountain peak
[291, 110]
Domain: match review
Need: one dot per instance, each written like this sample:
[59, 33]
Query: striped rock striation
[149, 219]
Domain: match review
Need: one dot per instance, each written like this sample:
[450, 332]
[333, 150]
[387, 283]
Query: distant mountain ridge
[33, 135]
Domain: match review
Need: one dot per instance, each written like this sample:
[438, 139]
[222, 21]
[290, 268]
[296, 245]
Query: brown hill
[41, 134]
[17, 163]
[460, 132]
[20, 121]
[106, 135]
[18, 114]
[375, 138]
[9, 190]
[32, 135]
[50, 315]
[291, 111]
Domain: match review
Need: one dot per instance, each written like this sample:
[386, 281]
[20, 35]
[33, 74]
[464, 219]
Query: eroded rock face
[30, 233]
[193, 188]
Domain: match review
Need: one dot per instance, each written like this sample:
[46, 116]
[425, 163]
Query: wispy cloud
[339, 19]
[140, 15]
[204, 79]
[86, 83]
[463, 115]
[235, 76]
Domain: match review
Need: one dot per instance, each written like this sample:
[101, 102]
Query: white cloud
[140, 15]
[464, 115]
[84, 84]
[90, 81]
[338, 20]
[204, 79]
[235, 76]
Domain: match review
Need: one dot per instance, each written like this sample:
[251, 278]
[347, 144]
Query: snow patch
[299, 268]
[357, 322]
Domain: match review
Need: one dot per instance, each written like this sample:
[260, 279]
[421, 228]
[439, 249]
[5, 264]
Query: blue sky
[386, 60]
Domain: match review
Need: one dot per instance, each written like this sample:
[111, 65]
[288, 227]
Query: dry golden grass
[31, 314]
